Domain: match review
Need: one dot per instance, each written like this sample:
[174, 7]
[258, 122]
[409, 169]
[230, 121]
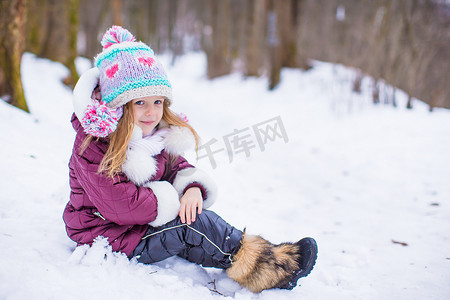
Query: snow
[354, 176]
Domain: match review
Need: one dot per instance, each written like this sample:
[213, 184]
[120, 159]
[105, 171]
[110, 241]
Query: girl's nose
[149, 111]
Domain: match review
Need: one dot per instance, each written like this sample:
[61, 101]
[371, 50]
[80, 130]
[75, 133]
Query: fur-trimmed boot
[261, 265]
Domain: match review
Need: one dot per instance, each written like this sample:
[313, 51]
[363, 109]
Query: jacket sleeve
[118, 200]
[183, 175]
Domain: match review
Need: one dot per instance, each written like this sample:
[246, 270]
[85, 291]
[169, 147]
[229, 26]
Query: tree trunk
[12, 46]
[72, 14]
[52, 30]
[92, 18]
[274, 44]
[117, 12]
[375, 92]
[217, 43]
[255, 43]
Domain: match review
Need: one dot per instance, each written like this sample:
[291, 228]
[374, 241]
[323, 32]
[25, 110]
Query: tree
[52, 29]
[255, 34]
[217, 39]
[12, 46]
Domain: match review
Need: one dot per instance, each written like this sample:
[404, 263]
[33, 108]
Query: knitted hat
[129, 69]
[125, 70]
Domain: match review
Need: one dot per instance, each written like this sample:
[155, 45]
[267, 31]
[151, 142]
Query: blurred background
[400, 43]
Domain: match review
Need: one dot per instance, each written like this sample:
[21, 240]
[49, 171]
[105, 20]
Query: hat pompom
[116, 35]
[99, 120]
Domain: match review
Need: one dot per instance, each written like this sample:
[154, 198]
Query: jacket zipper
[98, 214]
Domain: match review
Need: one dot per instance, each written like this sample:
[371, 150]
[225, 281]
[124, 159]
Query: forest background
[400, 44]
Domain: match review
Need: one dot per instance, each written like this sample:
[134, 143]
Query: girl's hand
[189, 202]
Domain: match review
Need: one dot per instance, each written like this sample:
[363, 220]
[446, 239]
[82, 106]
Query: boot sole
[308, 257]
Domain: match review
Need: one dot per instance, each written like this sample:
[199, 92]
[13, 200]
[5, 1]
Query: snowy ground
[356, 177]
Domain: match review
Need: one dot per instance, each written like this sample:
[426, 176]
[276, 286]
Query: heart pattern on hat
[146, 61]
[112, 71]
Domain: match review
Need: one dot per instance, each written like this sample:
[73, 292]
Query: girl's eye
[139, 102]
[158, 102]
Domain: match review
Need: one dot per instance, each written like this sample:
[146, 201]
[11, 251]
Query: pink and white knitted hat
[125, 70]
[129, 69]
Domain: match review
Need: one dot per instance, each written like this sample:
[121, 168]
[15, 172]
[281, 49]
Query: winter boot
[306, 261]
[260, 265]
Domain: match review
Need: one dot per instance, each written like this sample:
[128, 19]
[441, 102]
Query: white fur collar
[140, 164]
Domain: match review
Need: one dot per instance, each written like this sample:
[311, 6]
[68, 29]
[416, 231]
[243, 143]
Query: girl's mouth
[148, 123]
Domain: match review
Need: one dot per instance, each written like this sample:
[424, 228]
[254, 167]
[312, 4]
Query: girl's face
[148, 112]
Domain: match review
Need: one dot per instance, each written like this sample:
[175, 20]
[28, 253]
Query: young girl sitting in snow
[130, 184]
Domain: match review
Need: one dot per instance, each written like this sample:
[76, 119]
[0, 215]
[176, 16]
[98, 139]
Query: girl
[130, 184]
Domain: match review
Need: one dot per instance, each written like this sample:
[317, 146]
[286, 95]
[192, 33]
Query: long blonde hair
[111, 163]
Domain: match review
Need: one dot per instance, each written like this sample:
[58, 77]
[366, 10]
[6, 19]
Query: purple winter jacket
[112, 208]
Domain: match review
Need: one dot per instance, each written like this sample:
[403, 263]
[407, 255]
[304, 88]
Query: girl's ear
[97, 94]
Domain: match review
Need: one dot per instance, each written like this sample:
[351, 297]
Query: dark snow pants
[209, 241]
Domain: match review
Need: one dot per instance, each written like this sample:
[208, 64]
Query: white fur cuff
[168, 202]
[191, 175]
